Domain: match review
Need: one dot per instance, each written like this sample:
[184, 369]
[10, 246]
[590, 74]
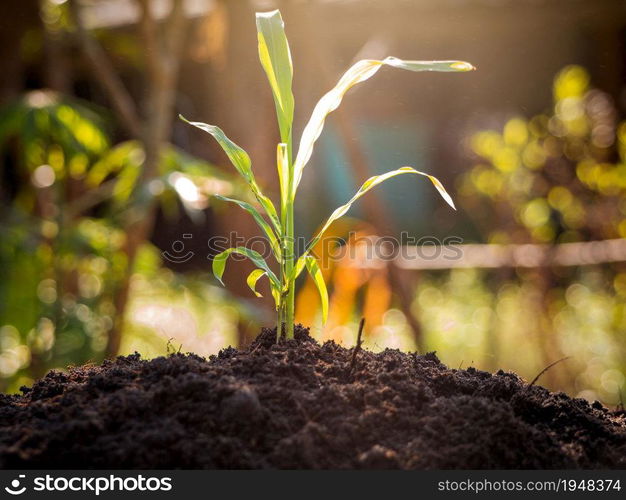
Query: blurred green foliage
[554, 178]
[65, 193]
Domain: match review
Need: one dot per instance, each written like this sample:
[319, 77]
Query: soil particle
[299, 404]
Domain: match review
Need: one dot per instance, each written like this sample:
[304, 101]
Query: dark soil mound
[301, 405]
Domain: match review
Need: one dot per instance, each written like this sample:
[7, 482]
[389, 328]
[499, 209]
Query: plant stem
[289, 263]
[280, 319]
[282, 303]
[287, 300]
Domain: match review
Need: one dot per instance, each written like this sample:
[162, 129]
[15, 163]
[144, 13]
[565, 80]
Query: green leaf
[318, 279]
[441, 66]
[128, 154]
[253, 277]
[282, 162]
[276, 61]
[241, 161]
[367, 185]
[219, 263]
[125, 183]
[358, 73]
[265, 227]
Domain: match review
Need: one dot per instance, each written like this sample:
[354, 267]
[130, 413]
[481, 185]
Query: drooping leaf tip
[463, 66]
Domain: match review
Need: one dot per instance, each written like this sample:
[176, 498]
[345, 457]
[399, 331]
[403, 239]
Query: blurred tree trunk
[16, 19]
[163, 63]
[57, 55]
[162, 45]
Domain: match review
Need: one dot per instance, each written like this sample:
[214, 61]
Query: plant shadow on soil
[299, 404]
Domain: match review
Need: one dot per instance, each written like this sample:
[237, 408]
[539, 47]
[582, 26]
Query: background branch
[163, 61]
[105, 73]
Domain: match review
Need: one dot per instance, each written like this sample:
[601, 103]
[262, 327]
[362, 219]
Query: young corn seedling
[278, 225]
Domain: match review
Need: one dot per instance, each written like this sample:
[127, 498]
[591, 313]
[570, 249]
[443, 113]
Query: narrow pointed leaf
[300, 264]
[276, 61]
[441, 66]
[253, 277]
[367, 185]
[318, 279]
[261, 222]
[219, 263]
[242, 163]
[359, 72]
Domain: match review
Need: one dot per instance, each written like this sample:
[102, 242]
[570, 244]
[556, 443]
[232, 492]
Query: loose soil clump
[299, 404]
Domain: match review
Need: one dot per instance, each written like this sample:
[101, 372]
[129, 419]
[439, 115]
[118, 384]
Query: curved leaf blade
[359, 72]
[219, 263]
[276, 61]
[252, 279]
[318, 279]
[261, 222]
[367, 185]
[242, 163]
[238, 157]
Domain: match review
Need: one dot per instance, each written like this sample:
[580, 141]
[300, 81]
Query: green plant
[276, 61]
